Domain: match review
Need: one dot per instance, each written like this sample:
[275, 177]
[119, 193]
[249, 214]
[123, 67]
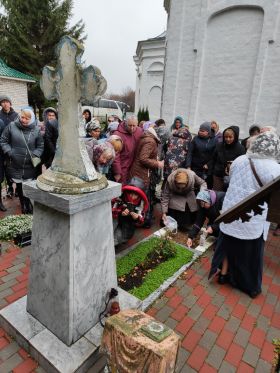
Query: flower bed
[14, 225]
[149, 264]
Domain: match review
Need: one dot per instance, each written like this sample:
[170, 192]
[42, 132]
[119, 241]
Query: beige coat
[177, 199]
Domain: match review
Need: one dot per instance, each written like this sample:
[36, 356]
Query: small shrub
[164, 247]
[13, 225]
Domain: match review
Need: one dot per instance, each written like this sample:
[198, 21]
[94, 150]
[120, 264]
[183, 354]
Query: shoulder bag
[35, 160]
[255, 173]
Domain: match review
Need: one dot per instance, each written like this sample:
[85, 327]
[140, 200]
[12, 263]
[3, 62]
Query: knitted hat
[204, 195]
[206, 126]
[5, 98]
[265, 146]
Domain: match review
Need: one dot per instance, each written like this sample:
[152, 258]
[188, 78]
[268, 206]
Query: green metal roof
[8, 72]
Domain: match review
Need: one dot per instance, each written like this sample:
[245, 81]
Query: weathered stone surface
[72, 262]
[71, 172]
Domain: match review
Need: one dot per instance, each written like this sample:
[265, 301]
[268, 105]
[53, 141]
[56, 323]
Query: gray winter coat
[19, 165]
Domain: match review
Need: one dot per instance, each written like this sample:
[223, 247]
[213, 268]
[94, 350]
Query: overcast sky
[114, 28]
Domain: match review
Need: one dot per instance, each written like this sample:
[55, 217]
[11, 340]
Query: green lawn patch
[169, 258]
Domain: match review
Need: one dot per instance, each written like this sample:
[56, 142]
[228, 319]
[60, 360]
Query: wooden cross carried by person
[72, 171]
[268, 193]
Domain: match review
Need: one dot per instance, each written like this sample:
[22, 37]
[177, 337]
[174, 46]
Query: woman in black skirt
[240, 245]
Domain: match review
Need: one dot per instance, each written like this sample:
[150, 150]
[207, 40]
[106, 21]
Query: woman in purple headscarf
[101, 155]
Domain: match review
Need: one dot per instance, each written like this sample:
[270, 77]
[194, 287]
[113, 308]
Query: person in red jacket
[130, 134]
[129, 212]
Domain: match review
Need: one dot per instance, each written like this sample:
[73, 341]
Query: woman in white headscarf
[21, 141]
[240, 245]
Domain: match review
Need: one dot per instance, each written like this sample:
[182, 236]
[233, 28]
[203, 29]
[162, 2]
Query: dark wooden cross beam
[269, 193]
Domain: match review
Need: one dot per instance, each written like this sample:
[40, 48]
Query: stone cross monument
[72, 172]
[73, 266]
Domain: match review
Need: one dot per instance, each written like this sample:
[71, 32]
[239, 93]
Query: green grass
[159, 274]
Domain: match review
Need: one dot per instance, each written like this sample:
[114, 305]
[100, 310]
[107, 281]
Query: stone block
[73, 260]
[216, 356]
[51, 353]
[251, 355]
[242, 337]
[8, 351]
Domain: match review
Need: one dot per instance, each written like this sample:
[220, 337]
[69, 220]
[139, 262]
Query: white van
[103, 108]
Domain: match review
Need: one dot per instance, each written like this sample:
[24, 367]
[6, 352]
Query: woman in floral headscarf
[240, 244]
[101, 155]
[177, 150]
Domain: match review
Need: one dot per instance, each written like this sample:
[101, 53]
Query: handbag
[34, 160]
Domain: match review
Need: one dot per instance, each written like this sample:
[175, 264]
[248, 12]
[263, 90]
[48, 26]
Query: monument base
[50, 352]
[73, 266]
[61, 183]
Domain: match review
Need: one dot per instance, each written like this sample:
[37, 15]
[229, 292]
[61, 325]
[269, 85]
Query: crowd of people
[198, 177]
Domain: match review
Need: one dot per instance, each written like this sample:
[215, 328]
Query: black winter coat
[50, 140]
[200, 153]
[226, 153]
[9, 117]
[19, 165]
[212, 213]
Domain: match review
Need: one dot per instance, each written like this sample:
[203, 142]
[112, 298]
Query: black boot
[28, 206]
[2, 207]
[23, 207]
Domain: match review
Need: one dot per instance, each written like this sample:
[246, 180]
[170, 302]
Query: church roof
[8, 72]
[161, 36]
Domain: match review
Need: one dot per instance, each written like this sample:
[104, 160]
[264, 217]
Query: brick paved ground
[222, 329]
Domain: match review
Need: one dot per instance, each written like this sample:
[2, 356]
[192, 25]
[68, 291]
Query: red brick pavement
[222, 329]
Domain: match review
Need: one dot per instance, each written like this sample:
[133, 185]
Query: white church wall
[154, 102]
[223, 62]
[228, 66]
[149, 61]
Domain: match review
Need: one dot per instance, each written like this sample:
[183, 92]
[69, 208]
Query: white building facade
[222, 62]
[149, 60]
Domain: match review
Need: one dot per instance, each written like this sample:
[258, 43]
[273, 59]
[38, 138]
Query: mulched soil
[182, 237]
[137, 275]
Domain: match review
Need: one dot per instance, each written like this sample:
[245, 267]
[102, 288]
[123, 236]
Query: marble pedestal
[73, 259]
[50, 352]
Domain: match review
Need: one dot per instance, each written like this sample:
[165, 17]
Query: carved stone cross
[72, 171]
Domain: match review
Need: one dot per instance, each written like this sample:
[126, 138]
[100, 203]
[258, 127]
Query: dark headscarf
[177, 118]
[89, 118]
